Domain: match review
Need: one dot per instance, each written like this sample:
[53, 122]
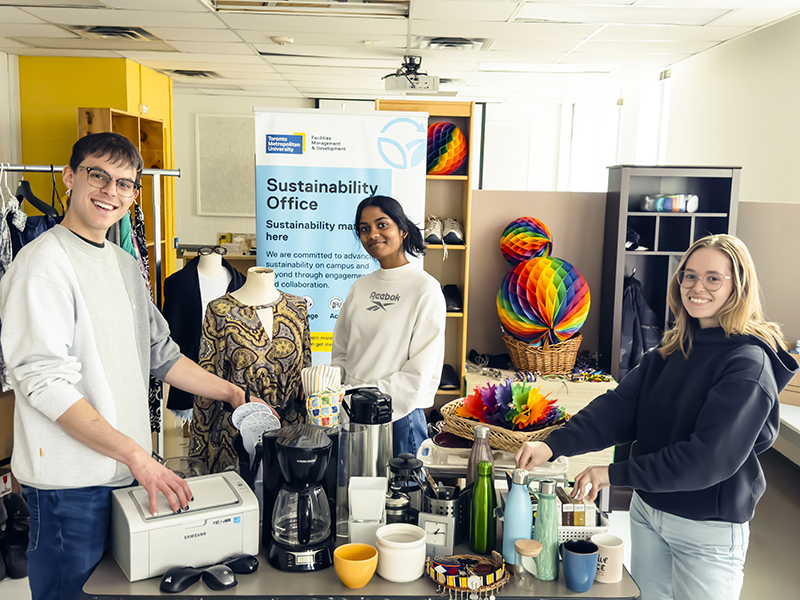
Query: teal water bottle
[482, 531]
[518, 519]
[546, 531]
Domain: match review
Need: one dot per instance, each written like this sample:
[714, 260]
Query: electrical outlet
[143, 109]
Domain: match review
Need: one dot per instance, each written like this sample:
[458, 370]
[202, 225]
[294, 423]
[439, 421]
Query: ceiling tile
[620, 59]
[11, 46]
[43, 31]
[9, 14]
[194, 35]
[174, 5]
[257, 70]
[678, 33]
[145, 56]
[213, 47]
[753, 17]
[331, 51]
[332, 62]
[532, 45]
[464, 10]
[87, 3]
[655, 47]
[358, 25]
[727, 4]
[71, 52]
[578, 13]
[111, 44]
[325, 39]
[126, 18]
[538, 31]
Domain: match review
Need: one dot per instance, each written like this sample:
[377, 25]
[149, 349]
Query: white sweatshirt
[78, 323]
[390, 334]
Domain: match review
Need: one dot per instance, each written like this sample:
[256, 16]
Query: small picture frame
[440, 531]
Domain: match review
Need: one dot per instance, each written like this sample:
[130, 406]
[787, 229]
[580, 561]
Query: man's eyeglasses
[206, 250]
[100, 179]
[712, 280]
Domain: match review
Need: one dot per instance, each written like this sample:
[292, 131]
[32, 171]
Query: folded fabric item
[449, 380]
[320, 378]
[493, 361]
[452, 298]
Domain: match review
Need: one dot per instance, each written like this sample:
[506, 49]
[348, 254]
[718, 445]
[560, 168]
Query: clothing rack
[156, 174]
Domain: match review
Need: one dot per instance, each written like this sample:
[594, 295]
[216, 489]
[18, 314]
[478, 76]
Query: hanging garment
[183, 311]
[640, 329]
[236, 347]
[10, 219]
[140, 243]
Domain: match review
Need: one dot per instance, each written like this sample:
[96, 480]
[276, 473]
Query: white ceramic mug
[401, 552]
[609, 559]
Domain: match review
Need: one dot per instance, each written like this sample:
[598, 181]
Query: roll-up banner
[313, 167]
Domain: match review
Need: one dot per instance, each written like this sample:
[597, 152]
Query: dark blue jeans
[69, 533]
[409, 432]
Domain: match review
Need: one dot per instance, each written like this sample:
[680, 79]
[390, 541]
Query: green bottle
[546, 531]
[483, 526]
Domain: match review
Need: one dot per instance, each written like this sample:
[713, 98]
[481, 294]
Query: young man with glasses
[81, 337]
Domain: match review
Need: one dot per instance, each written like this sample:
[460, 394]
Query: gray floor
[773, 560]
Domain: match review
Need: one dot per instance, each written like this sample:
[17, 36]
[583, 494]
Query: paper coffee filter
[245, 410]
[253, 426]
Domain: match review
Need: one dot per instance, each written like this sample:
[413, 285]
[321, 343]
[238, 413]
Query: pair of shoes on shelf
[492, 361]
[15, 523]
[452, 298]
[449, 380]
[443, 231]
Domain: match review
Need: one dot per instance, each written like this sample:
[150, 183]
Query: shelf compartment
[674, 235]
[704, 226]
[713, 193]
[646, 227]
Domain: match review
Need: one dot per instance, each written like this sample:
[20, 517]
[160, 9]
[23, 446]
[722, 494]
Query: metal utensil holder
[457, 508]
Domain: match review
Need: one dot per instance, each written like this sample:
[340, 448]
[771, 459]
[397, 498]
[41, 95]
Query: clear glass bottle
[483, 525]
[518, 515]
[481, 451]
[546, 531]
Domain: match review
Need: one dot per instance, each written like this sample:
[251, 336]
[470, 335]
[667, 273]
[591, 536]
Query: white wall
[189, 226]
[737, 105]
[10, 150]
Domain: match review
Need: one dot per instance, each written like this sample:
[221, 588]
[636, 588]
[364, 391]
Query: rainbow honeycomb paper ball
[524, 239]
[447, 148]
[543, 299]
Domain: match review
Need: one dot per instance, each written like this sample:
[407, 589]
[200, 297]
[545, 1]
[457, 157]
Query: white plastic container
[401, 552]
[367, 496]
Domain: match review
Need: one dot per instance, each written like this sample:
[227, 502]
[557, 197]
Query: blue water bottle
[518, 519]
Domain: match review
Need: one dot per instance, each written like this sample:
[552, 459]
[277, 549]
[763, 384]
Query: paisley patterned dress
[235, 346]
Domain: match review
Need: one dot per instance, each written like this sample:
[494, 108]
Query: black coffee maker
[299, 496]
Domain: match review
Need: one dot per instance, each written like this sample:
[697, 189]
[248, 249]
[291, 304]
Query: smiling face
[93, 210]
[700, 303]
[382, 238]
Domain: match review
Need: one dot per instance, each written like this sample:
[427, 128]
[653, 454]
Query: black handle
[304, 517]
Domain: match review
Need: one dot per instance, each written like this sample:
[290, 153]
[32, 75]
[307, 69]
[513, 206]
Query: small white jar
[401, 552]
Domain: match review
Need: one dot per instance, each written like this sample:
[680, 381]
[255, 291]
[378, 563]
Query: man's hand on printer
[155, 478]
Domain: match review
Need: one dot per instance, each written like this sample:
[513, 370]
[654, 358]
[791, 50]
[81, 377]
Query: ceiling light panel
[127, 18]
[576, 13]
[328, 61]
[464, 10]
[357, 52]
[351, 8]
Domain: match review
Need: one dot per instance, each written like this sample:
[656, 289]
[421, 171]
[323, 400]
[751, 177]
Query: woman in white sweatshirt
[390, 331]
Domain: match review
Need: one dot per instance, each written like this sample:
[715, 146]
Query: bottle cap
[484, 468]
[547, 486]
[519, 476]
[528, 547]
[481, 431]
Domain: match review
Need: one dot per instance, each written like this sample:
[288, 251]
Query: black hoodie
[698, 424]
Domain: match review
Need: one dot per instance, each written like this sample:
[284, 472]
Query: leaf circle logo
[404, 144]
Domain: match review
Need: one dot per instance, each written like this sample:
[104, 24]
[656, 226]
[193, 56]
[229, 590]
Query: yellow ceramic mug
[355, 564]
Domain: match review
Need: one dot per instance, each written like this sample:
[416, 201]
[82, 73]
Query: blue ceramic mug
[579, 558]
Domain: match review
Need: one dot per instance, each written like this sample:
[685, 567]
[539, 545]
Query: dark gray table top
[108, 581]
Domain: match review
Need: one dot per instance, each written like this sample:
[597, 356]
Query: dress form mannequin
[210, 265]
[259, 289]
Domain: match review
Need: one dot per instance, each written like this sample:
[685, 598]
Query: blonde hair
[740, 315]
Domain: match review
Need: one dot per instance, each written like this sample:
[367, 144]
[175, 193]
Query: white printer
[222, 520]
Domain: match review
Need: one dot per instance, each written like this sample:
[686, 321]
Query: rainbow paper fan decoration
[524, 239]
[543, 299]
[447, 148]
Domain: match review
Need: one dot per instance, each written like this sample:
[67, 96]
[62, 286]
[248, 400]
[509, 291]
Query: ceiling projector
[408, 78]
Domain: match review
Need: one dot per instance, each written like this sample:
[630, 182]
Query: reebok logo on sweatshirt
[381, 301]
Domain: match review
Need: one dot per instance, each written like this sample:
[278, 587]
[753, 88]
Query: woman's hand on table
[532, 454]
[590, 481]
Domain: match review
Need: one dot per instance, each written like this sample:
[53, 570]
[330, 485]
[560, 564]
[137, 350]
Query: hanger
[2, 194]
[55, 195]
[25, 192]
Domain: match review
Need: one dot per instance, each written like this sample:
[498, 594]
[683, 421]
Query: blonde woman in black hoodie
[699, 409]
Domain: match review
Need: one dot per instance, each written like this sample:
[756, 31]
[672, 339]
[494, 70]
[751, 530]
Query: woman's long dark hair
[412, 243]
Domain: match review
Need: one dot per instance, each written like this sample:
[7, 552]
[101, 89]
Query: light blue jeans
[409, 432]
[682, 559]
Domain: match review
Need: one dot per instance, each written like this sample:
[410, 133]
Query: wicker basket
[499, 438]
[555, 359]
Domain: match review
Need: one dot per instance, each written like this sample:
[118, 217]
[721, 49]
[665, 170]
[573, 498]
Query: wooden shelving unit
[148, 136]
[448, 196]
[665, 235]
